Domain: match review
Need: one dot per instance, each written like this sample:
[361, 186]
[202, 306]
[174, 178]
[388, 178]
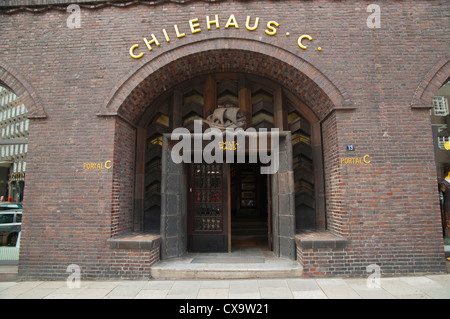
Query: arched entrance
[243, 200]
[440, 116]
[434, 93]
[13, 156]
[290, 95]
[19, 104]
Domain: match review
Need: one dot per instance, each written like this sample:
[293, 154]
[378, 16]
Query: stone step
[254, 231]
[258, 237]
[250, 227]
[249, 223]
[245, 227]
[164, 271]
[243, 263]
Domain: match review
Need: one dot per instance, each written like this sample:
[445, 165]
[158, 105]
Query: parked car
[10, 226]
[9, 206]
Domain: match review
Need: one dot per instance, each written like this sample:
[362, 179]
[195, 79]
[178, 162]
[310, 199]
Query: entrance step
[235, 265]
[259, 237]
[249, 231]
[174, 271]
[249, 227]
[249, 241]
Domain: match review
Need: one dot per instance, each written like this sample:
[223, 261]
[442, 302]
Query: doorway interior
[167, 196]
[229, 207]
[249, 206]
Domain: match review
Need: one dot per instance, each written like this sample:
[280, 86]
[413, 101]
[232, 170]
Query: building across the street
[315, 130]
[13, 146]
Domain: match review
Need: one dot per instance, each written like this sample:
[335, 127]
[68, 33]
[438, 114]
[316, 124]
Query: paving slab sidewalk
[420, 287]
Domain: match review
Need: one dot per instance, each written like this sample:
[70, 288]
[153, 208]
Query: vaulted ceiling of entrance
[230, 60]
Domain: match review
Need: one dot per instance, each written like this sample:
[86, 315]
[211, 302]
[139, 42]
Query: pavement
[433, 286]
[417, 287]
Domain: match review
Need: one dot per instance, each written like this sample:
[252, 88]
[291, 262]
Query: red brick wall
[123, 178]
[333, 178]
[326, 262]
[388, 210]
[132, 264]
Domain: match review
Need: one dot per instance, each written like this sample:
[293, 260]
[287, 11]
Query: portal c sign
[98, 166]
[356, 160]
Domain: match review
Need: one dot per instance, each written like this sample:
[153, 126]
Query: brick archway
[431, 83]
[26, 93]
[423, 98]
[131, 96]
[129, 100]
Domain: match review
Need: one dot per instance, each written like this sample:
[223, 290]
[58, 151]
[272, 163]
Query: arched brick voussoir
[130, 96]
[431, 83]
[26, 93]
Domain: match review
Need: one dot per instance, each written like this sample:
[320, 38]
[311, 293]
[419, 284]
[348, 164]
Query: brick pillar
[209, 97]
[245, 100]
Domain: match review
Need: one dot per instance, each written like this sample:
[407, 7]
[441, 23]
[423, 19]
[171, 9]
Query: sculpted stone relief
[226, 116]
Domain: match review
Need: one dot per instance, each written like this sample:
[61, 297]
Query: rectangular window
[6, 218]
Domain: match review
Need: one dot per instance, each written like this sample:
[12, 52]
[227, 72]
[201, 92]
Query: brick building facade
[354, 97]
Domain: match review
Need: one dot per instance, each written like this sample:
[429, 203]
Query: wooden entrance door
[208, 208]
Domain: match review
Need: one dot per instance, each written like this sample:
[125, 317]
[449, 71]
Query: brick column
[245, 100]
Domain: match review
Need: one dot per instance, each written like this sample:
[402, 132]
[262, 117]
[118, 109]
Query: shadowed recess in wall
[227, 260]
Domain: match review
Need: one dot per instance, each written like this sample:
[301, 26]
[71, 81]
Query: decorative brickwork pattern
[184, 64]
[26, 93]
